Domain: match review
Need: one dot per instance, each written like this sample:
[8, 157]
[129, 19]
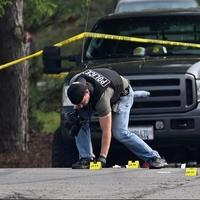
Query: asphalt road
[109, 183]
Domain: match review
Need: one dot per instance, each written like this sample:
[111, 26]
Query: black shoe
[83, 163]
[158, 163]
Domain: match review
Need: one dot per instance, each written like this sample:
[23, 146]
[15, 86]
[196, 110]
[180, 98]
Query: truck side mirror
[51, 60]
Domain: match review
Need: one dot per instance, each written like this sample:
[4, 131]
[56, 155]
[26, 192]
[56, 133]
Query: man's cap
[76, 91]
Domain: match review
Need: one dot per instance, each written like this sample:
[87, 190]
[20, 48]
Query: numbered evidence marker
[95, 165]
[133, 165]
[191, 171]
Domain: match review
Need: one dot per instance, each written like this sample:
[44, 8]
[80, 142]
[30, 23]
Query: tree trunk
[13, 81]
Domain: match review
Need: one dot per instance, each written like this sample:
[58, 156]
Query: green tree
[3, 3]
[36, 12]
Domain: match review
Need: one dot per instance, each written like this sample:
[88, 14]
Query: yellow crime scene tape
[101, 36]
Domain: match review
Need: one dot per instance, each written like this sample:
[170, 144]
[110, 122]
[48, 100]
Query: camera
[74, 122]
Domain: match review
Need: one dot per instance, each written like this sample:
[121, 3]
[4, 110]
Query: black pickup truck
[170, 117]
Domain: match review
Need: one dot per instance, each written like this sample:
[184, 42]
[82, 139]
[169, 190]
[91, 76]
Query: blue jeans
[120, 131]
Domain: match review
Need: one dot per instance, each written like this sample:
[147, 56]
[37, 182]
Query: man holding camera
[110, 95]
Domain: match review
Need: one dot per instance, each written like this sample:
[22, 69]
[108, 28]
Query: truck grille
[169, 93]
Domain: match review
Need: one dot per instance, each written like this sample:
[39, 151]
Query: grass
[50, 120]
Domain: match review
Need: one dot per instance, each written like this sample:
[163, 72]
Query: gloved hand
[102, 159]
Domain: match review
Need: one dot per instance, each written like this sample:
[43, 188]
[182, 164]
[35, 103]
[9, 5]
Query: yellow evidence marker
[191, 171]
[95, 165]
[133, 165]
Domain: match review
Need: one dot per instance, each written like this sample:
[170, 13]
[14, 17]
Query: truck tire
[64, 152]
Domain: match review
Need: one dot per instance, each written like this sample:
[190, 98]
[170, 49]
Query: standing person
[111, 97]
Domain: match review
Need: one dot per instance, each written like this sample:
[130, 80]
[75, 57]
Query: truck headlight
[65, 99]
[198, 90]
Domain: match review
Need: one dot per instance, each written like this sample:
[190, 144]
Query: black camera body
[74, 122]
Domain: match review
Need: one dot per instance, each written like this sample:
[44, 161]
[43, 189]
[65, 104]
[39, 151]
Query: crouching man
[111, 96]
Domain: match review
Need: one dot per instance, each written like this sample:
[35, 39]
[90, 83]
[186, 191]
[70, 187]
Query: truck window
[183, 29]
